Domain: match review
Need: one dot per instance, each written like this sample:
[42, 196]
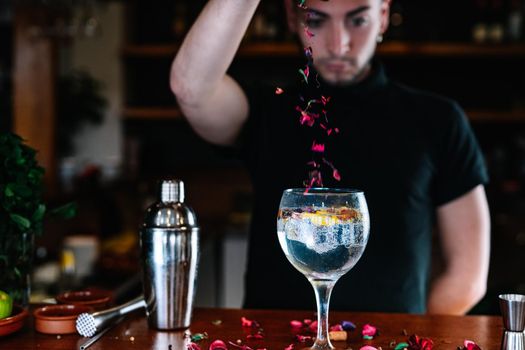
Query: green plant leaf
[8, 192]
[38, 215]
[19, 189]
[65, 211]
[22, 222]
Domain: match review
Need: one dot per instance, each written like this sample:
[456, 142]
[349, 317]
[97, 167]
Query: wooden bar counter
[447, 332]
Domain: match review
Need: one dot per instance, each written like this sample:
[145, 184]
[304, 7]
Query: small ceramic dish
[14, 322]
[97, 299]
[58, 319]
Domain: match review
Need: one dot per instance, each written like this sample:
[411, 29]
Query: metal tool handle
[90, 341]
[123, 309]
[89, 324]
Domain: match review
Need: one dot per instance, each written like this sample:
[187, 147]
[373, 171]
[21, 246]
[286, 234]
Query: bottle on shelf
[180, 16]
[397, 19]
[480, 26]
[496, 28]
[515, 20]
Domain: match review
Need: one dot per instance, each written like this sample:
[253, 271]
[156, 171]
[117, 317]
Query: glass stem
[323, 290]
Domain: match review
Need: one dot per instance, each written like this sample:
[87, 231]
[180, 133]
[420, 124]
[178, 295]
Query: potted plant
[22, 211]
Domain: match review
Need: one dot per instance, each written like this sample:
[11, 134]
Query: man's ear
[291, 15]
[385, 15]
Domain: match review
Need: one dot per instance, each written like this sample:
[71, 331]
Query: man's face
[345, 35]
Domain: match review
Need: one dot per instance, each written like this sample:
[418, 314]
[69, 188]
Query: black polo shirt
[409, 151]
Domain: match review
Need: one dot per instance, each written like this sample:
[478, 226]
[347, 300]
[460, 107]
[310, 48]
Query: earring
[379, 38]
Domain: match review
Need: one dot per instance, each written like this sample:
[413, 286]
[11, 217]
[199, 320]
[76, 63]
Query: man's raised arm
[214, 104]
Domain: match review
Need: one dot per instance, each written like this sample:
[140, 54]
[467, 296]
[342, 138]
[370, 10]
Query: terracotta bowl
[97, 299]
[14, 322]
[58, 319]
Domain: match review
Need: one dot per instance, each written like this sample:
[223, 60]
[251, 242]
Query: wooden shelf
[152, 113]
[495, 116]
[388, 49]
[457, 50]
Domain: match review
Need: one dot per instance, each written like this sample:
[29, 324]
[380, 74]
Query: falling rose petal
[308, 33]
[193, 346]
[308, 52]
[369, 330]
[336, 130]
[305, 76]
[218, 345]
[348, 326]
[289, 347]
[318, 85]
[368, 347]
[279, 91]
[336, 328]
[295, 323]
[307, 119]
[329, 132]
[317, 147]
[336, 175]
[307, 321]
[311, 102]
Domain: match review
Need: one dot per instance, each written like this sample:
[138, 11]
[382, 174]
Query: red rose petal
[218, 345]
[295, 323]
[369, 330]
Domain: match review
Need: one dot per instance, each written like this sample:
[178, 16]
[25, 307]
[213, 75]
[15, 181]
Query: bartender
[413, 154]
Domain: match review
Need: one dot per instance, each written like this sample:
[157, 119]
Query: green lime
[6, 305]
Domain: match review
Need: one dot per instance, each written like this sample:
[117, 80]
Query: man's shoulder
[421, 97]
[422, 103]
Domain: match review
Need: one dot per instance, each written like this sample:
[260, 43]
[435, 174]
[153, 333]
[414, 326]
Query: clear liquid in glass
[322, 243]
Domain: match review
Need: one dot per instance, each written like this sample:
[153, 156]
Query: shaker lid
[170, 211]
[171, 191]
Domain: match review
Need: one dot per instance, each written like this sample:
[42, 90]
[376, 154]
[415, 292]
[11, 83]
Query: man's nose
[339, 42]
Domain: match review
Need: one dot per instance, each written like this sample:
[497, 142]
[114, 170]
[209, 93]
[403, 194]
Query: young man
[412, 153]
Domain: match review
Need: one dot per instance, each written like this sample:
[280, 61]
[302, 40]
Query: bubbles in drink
[322, 243]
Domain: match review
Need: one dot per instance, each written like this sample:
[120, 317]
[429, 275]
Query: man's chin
[339, 79]
[347, 77]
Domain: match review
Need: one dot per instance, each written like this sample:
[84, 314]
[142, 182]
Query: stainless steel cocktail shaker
[169, 241]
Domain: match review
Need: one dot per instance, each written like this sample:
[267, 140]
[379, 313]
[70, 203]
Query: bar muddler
[88, 324]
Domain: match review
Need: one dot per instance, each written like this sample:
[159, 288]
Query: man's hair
[296, 2]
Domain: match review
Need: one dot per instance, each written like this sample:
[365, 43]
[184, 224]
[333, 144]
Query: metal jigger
[513, 311]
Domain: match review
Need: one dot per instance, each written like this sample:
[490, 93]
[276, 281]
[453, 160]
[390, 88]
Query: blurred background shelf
[495, 116]
[152, 113]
